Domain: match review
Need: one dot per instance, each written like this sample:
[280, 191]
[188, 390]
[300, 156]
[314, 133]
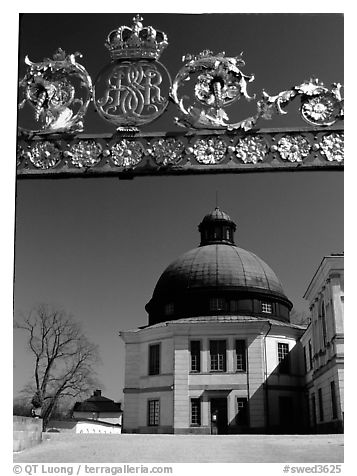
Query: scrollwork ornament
[126, 153]
[320, 106]
[293, 148]
[332, 147]
[167, 151]
[218, 82]
[59, 90]
[209, 151]
[251, 149]
[44, 155]
[84, 153]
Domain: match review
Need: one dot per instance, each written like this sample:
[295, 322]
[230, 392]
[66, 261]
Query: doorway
[219, 409]
[286, 414]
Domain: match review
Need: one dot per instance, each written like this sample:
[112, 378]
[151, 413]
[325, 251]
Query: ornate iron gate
[135, 89]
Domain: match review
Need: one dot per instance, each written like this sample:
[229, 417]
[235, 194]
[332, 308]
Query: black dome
[217, 269]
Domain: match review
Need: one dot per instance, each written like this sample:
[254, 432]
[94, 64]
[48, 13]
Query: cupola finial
[217, 228]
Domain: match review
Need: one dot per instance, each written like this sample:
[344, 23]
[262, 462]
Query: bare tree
[64, 359]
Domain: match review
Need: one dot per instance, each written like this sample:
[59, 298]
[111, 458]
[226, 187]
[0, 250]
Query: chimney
[97, 393]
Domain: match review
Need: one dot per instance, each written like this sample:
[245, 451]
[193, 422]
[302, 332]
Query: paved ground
[128, 448]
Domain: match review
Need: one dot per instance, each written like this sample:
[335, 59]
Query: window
[153, 412]
[218, 355]
[169, 309]
[266, 307]
[310, 355]
[195, 346]
[195, 411]
[283, 358]
[305, 361]
[333, 400]
[242, 411]
[216, 304]
[241, 356]
[321, 408]
[233, 305]
[323, 322]
[154, 359]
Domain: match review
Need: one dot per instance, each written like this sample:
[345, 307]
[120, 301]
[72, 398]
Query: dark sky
[97, 247]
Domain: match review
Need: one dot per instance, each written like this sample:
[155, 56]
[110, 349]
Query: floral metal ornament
[320, 106]
[251, 149]
[293, 148]
[130, 91]
[218, 82]
[59, 91]
[331, 146]
[20, 154]
[209, 151]
[84, 153]
[126, 153]
[167, 151]
[44, 155]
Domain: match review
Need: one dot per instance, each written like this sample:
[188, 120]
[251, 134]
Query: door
[219, 418]
[286, 414]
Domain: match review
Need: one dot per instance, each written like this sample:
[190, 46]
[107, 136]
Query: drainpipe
[266, 377]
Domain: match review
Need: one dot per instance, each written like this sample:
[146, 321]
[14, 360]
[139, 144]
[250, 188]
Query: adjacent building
[322, 344]
[98, 414]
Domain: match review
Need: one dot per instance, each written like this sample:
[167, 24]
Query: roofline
[183, 321]
[318, 269]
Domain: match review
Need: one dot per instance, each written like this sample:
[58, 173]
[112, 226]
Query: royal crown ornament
[133, 89]
[136, 42]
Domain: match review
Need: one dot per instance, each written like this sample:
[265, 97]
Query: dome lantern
[217, 228]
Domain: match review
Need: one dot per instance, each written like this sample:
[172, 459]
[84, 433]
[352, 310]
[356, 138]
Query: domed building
[218, 277]
[219, 354]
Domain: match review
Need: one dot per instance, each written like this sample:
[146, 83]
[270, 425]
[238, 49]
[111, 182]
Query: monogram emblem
[130, 93]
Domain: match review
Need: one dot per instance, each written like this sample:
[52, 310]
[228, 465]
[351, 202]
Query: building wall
[284, 385]
[326, 334]
[96, 427]
[327, 423]
[166, 412]
[141, 387]
[176, 384]
[131, 413]
[27, 432]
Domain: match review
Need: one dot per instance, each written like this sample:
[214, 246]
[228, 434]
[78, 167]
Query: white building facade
[179, 374]
[323, 347]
